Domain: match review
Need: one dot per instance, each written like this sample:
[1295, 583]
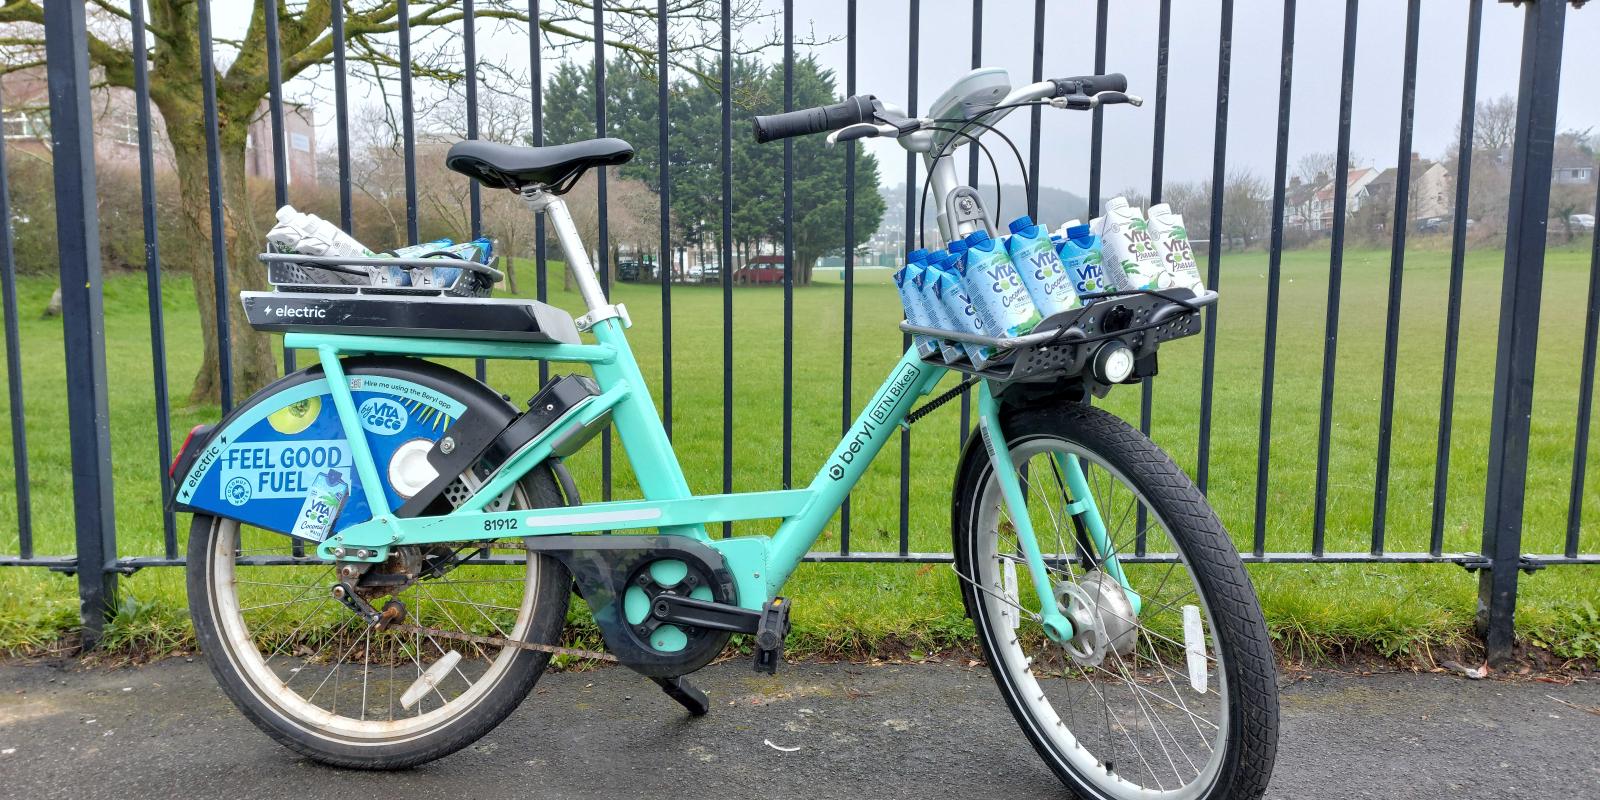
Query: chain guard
[604, 567]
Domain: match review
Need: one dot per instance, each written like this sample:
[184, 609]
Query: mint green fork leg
[1081, 505]
[1056, 625]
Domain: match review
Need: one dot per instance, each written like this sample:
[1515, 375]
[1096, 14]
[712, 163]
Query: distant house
[1357, 179]
[1573, 167]
[26, 125]
[1430, 188]
[1297, 197]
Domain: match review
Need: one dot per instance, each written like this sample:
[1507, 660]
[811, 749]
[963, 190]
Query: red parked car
[761, 269]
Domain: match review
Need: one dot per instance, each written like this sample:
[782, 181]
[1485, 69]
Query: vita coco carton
[916, 309]
[1039, 265]
[929, 286]
[1080, 259]
[958, 305]
[996, 289]
[1125, 243]
[1179, 269]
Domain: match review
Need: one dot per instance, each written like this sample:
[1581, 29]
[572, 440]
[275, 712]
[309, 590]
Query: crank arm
[687, 611]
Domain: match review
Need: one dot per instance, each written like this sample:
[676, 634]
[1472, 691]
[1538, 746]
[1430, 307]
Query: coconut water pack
[960, 311]
[1039, 266]
[321, 508]
[995, 287]
[480, 250]
[1080, 260]
[1171, 238]
[1125, 242]
[917, 312]
[928, 285]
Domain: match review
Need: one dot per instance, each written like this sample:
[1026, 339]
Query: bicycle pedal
[770, 633]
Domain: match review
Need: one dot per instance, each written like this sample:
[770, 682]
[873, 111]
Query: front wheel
[1167, 688]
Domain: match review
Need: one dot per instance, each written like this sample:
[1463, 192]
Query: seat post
[594, 296]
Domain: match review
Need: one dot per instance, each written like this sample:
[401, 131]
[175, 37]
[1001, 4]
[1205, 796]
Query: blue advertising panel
[284, 464]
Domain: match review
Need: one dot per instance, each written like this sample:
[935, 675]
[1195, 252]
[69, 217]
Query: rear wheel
[320, 680]
[1167, 691]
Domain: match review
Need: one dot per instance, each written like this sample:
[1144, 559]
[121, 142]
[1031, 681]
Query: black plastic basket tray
[1064, 344]
[292, 272]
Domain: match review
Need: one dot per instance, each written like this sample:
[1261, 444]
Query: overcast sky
[945, 38]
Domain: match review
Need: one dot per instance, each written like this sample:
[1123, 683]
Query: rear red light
[172, 471]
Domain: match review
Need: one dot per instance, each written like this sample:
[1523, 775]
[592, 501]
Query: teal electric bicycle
[383, 549]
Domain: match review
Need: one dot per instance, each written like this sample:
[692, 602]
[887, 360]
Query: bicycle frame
[760, 564]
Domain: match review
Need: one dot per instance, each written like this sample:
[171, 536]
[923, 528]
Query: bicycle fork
[1080, 505]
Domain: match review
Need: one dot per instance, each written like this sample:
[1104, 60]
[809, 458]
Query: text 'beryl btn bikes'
[383, 549]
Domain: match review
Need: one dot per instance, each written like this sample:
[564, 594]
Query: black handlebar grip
[1091, 84]
[804, 121]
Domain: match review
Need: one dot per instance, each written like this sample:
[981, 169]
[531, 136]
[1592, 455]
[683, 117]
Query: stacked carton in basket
[1004, 288]
[310, 235]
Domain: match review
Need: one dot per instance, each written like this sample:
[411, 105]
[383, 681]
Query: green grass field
[1400, 609]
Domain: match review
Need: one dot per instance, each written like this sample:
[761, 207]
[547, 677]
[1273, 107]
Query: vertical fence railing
[219, 240]
[788, 251]
[1330, 341]
[19, 415]
[1158, 146]
[847, 357]
[664, 260]
[1458, 255]
[97, 561]
[152, 271]
[1219, 177]
[913, 222]
[1269, 351]
[726, 271]
[82, 312]
[1397, 266]
[1532, 155]
[603, 237]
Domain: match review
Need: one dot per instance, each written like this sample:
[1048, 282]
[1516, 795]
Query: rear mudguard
[259, 464]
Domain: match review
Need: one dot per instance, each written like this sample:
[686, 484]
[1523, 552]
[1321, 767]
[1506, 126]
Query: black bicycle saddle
[556, 167]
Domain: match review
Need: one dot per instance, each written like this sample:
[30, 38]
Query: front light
[1113, 363]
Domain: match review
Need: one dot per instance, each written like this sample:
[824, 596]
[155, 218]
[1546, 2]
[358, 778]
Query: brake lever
[861, 130]
[1083, 102]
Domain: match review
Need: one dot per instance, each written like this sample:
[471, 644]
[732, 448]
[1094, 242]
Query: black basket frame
[1063, 345]
[293, 272]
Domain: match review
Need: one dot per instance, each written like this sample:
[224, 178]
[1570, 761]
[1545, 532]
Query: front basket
[1064, 344]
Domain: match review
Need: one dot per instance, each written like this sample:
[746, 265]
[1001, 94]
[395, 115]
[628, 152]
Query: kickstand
[684, 692]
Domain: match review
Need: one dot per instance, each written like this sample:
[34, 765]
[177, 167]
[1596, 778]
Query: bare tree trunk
[253, 361]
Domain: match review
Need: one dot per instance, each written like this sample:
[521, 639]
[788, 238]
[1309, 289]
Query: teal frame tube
[1056, 625]
[760, 564]
[1083, 505]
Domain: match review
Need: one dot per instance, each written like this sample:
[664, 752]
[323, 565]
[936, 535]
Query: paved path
[166, 732]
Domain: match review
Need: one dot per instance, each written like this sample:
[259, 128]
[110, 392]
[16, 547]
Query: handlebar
[1078, 92]
[1090, 84]
[800, 122]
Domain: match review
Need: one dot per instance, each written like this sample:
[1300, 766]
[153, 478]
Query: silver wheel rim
[320, 702]
[1128, 710]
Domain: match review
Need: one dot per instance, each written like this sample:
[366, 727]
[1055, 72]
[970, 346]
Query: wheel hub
[1103, 619]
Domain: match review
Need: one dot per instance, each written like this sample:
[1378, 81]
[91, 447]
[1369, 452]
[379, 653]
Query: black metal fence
[98, 562]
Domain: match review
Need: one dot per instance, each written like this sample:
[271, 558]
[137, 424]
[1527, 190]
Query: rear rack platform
[1062, 345]
[419, 315]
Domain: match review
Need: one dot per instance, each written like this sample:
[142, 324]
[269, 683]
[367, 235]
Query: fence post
[82, 312]
[1531, 158]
